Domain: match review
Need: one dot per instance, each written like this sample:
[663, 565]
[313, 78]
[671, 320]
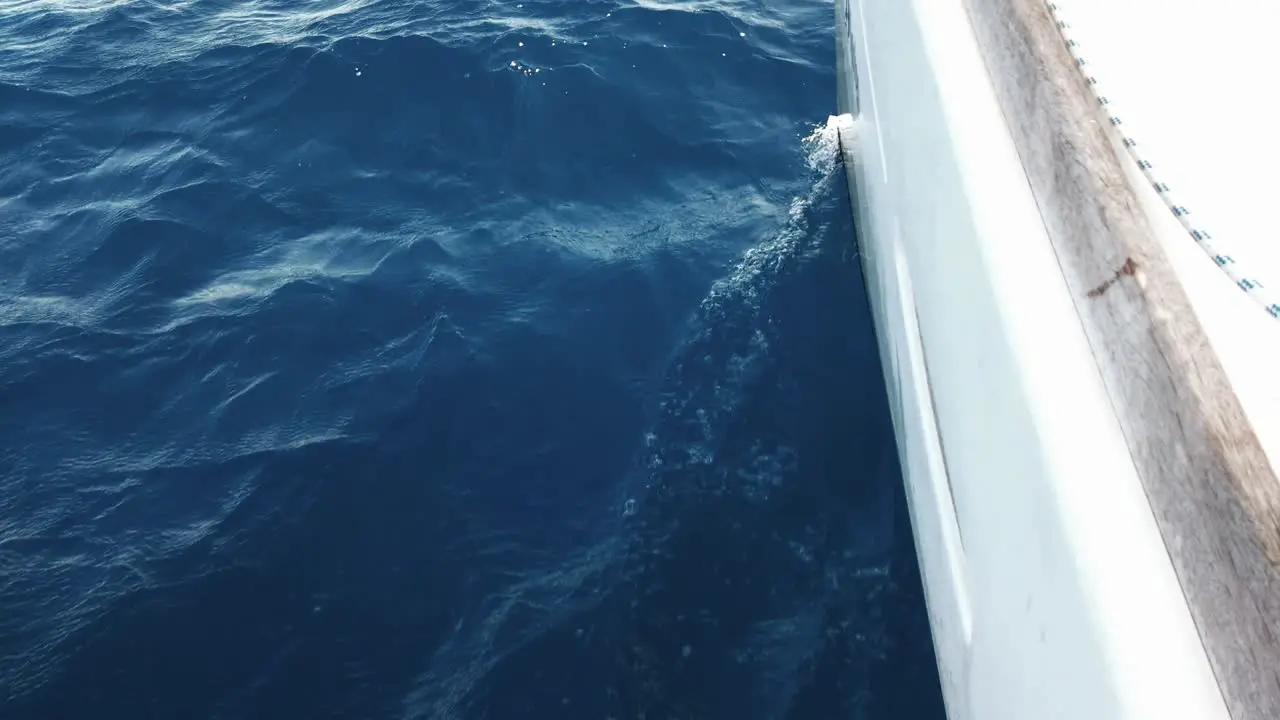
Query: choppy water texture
[439, 359]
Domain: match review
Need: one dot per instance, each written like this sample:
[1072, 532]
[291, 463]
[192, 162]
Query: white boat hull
[1049, 589]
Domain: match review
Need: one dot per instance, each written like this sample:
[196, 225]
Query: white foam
[729, 345]
[822, 144]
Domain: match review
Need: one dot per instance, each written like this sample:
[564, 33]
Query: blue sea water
[440, 359]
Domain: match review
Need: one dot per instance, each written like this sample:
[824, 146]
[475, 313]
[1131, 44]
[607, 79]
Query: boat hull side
[1049, 590]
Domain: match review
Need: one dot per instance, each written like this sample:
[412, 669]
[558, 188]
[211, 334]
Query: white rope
[1244, 280]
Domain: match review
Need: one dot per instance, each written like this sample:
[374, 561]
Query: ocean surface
[440, 359]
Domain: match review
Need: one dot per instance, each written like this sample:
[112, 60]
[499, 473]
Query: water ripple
[376, 359]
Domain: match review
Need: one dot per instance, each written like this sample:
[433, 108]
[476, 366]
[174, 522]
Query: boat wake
[751, 565]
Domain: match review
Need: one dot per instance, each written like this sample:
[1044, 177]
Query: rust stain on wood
[1128, 268]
